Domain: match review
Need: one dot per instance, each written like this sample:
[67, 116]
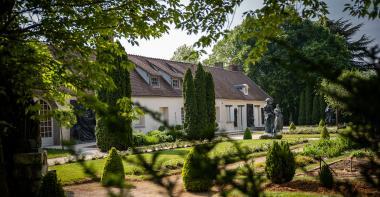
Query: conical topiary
[247, 134]
[325, 133]
[113, 172]
[292, 127]
[325, 177]
[198, 171]
[280, 165]
[321, 123]
[51, 186]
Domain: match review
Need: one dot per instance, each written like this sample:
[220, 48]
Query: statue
[330, 115]
[269, 116]
[278, 122]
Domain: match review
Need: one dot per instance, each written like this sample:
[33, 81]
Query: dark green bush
[325, 133]
[138, 138]
[247, 134]
[178, 127]
[329, 148]
[321, 123]
[50, 186]
[198, 171]
[162, 128]
[325, 177]
[113, 172]
[280, 165]
[292, 127]
[264, 137]
[106, 139]
[176, 134]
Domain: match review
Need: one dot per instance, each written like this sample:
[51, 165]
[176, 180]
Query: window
[175, 83]
[154, 81]
[164, 113]
[229, 113]
[182, 115]
[46, 123]
[217, 113]
[140, 122]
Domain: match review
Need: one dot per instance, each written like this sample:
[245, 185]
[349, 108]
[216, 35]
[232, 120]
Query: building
[157, 85]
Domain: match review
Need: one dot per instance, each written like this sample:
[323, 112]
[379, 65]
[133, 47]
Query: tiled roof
[225, 80]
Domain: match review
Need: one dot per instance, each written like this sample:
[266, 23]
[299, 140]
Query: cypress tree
[113, 130]
[210, 104]
[190, 107]
[316, 110]
[322, 106]
[301, 109]
[200, 96]
[308, 103]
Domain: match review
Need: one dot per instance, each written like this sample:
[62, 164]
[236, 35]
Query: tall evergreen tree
[200, 93]
[190, 107]
[120, 136]
[308, 105]
[322, 107]
[316, 110]
[210, 104]
[301, 109]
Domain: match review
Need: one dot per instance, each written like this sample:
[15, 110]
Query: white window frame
[229, 114]
[177, 80]
[151, 81]
[46, 123]
[140, 122]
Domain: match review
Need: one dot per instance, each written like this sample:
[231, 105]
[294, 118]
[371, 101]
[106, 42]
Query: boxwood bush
[325, 177]
[292, 127]
[113, 172]
[280, 166]
[198, 171]
[247, 134]
[50, 186]
[325, 133]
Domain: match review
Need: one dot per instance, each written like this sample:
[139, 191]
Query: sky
[165, 46]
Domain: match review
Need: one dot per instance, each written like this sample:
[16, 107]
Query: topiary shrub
[321, 123]
[247, 134]
[325, 177]
[292, 127]
[198, 171]
[280, 166]
[113, 172]
[51, 186]
[325, 133]
[120, 137]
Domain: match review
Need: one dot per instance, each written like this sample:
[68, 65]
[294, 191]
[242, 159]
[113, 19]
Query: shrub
[160, 135]
[325, 133]
[119, 138]
[302, 161]
[50, 186]
[176, 134]
[329, 148]
[280, 166]
[138, 138]
[321, 123]
[325, 177]
[263, 137]
[292, 127]
[149, 140]
[247, 134]
[162, 128]
[178, 127]
[198, 171]
[113, 172]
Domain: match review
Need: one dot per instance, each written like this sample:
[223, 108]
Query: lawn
[305, 136]
[168, 159]
[56, 153]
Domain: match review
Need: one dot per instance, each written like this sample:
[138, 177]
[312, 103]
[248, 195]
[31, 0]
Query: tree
[308, 105]
[210, 104]
[190, 106]
[49, 46]
[186, 53]
[301, 112]
[200, 97]
[114, 130]
[316, 109]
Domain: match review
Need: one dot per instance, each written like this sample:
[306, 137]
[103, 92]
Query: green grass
[296, 194]
[295, 136]
[168, 159]
[56, 153]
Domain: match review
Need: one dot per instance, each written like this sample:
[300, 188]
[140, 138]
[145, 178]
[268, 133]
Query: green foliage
[324, 133]
[200, 97]
[263, 137]
[308, 105]
[190, 106]
[247, 134]
[321, 123]
[301, 110]
[106, 139]
[210, 107]
[50, 186]
[302, 161]
[329, 148]
[198, 171]
[113, 172]
[186, 53]
[280, 165]
[325, 177]
[292, 127]
[161, 128]
[138, 138]
[315, 117]
[176, 134]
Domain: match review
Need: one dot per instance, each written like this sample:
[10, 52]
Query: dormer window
[242, 88]
[154, 81]
[175, 83]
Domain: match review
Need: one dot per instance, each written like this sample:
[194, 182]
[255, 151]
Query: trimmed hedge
[325, 177]
[50, 186]
[247, 134]
[292, 127]
[113, 172]
[280, 165]
[198, 171]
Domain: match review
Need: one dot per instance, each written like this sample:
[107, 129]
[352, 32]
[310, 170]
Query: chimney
[219, 65]
[234, 67]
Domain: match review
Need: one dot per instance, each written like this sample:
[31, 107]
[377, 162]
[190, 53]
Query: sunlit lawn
[55, 153]
[305, 136]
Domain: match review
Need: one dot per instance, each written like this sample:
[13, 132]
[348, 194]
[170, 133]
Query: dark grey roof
[225, 80]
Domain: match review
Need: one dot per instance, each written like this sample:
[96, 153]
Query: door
[250, 116]
[235, 117]
[46, 124]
